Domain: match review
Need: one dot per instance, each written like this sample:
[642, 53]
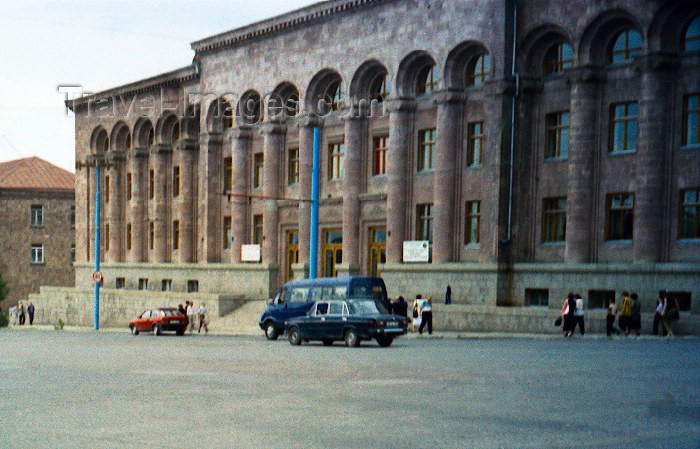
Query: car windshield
[170, 312]
[365, 307]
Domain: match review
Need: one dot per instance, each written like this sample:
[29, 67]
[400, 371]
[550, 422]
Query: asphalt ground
[114, 390]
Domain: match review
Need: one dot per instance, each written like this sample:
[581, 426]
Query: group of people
[422, 314]
[19, 314]
[630, 319]
[192, 313]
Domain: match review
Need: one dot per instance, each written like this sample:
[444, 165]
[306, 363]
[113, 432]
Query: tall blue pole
[315, 194]
[97, 244]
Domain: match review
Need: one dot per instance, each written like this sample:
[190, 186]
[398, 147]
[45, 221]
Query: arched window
[625, 47]
[127, 141]
[691, 42]
[176, 133]
[558, 58]
[426, 80]
[379, 89]
[479, 70]
[334, 95]
[292, 105]
[251, 109]
[227, 115]
[151, 137]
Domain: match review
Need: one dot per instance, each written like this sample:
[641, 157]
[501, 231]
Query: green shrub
[59, 326]
[4, 319]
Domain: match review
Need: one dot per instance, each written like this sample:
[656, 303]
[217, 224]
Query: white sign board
[416, 251]
[250, 253]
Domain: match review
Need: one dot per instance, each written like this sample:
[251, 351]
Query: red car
[159, 321]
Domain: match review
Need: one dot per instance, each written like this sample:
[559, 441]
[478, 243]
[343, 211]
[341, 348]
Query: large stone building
[539, 146]
[37, 218]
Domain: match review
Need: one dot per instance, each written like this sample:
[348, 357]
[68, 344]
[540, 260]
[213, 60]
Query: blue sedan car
[350, 321]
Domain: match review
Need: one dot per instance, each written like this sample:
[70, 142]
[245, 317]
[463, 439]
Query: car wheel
[271, 332]
[384, 342]
[327, 342]
[134, 331]
[294, 336]
[156, 329]
[351, 338]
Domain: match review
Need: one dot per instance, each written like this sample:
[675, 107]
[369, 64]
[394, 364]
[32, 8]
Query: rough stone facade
[174, 198]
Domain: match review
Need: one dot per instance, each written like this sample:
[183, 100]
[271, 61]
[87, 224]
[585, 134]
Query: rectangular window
[554, 220]
[143, 284]
[691, 119]
[37, 253]
[176, 234]
[106, 189]
[228, 233]
[257, 229]
[166, 285]
[623, 128]
[72, 253]
[379, 155]
[475, 145]
[128, 236]
[176, 182]
[424, 222]
[37, 217]
[536, 297]
[151, 235]
[192, 286]
[151, 184]
[473, 223]
[426, 149]
[258, 164]
[336, 155]
[72, 217]
[293, 167]
[119, 283]
[600, 299]
[228, 174]
[106, 237]
[129, 187]
[619, 216]
[690, 211]
[557, 138]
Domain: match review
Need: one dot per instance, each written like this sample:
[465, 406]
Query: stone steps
[242, 321]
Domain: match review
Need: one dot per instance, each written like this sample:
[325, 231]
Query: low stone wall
[250, 281]
[535, 320]
[117, 307]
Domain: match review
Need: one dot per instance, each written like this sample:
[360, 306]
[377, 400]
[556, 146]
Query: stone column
[114, 207]
[138, 167]
[186, 215]
[306, 161]
[582, 147]
[352, 182]
[273, 143]
[82, 211]
[239, 202]
[161, 167]
[210, 191]
[449, 121]
[649, 210]
[400, 125]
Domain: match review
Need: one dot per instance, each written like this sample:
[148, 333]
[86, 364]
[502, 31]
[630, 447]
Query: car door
[333, 325]
[142, 320]
[316, 320]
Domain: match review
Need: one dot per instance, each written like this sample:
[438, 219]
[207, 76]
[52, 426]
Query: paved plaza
[86, 389]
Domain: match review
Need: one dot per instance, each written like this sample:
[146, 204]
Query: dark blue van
[296, 298]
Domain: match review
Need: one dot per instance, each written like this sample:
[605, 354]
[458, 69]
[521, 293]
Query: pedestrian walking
[626, 313]
[426, 314]
[191, 315]
[22, 316]
[400, 307]
[567, 312]
[657, 312]
[30, 312]
[448, 295]
[579, 316]
[181, 310]
[636, 325]
[203, 318]
[416, 315]
[610, 318]
[669, 314]
[14, 314]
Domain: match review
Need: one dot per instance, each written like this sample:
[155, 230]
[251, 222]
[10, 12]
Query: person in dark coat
[636, 325]
[448, 295]
[567, 312]
[657, 314]
[30, 312]
[22, 317]
[400, 307]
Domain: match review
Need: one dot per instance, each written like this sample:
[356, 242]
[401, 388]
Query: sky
[96, 44]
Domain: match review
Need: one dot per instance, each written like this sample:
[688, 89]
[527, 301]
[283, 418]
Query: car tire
[294, 336]
[271, 332]
[134, 331]
[351, 338]
[327, 342]
[384, 342]
[156, 329]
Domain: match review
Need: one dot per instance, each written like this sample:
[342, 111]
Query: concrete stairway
[242, 321]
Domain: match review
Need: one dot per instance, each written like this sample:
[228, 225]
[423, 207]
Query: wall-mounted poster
[416, 251]
[250, 253]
